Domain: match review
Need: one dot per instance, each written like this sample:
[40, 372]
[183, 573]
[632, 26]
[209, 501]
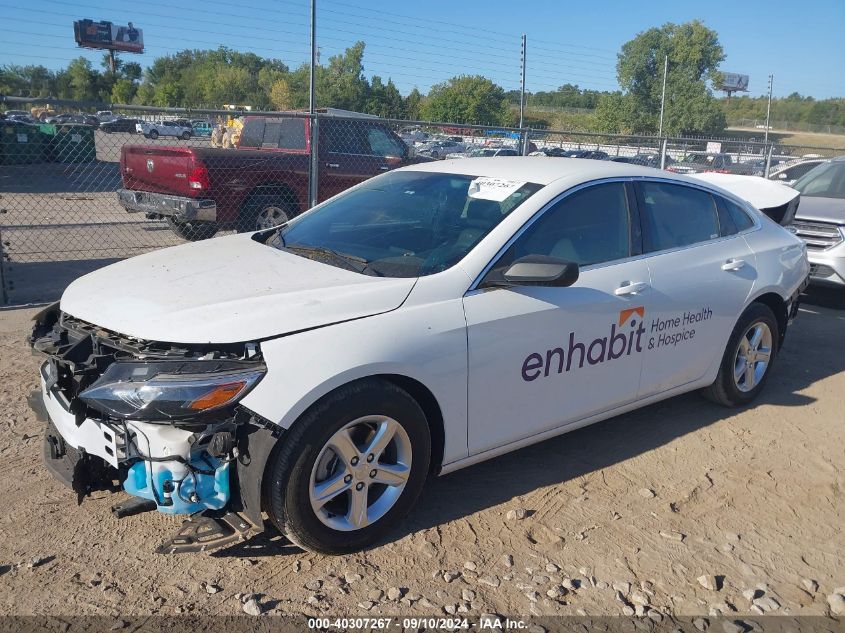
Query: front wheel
[349, 469]
[748, 358]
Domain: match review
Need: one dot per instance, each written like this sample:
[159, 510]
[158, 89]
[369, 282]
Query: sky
[422, 42]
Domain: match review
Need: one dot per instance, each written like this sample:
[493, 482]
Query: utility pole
[663, 96]
[311, 104]
[769, 108]
[522, 99]
[313, 171]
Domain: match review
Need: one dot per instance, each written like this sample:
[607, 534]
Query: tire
[153, 134]
[734, 387]
[185, 136]
[263, 211]
[146, 136]
[193, 231]
[303, 459]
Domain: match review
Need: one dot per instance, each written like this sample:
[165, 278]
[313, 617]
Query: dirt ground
[701, 509]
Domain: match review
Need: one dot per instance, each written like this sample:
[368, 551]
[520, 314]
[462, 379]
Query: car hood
[821, 209]
[226, 290]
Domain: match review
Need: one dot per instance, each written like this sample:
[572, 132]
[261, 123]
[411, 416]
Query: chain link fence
[77, 192]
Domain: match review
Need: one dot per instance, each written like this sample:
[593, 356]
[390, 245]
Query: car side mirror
[536, 270]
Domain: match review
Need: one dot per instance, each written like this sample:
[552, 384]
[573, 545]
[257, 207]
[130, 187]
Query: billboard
[733, 82]
[108, 36]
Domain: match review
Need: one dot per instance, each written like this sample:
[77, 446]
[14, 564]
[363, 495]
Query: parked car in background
[440, 149]
[164, 128]
[202, 128]
[698, 162]
[789, 173]
[68, 118]
[485, 152]
[411, 136]
[820, 221]
[22, 118]
[121, 124]
[13, 113]
[105, 116]
[264, 183]
[593, 154]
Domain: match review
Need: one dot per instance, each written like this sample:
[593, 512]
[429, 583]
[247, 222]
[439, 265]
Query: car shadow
[806, 358]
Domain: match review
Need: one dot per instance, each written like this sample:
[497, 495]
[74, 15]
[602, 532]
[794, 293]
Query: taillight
[199, 178]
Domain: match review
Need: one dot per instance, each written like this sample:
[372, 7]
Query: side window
[383, 144]
[740, 218]
[676, 215]
[343, 137]
[272, 132]
[590, 226]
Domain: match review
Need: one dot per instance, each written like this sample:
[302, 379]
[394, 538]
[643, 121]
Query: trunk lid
[173, 170]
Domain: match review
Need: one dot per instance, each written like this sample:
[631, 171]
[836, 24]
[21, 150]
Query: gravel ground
[679, 509]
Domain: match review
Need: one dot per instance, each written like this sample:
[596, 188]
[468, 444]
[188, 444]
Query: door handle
[630, 288]
[332, 165]
[733, 264]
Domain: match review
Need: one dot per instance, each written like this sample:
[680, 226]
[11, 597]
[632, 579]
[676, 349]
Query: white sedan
[425, 320]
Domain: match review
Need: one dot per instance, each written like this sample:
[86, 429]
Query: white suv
[164, 128]
[422, 321]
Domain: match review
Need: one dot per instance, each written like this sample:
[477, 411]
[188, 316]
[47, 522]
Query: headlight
[171, 390]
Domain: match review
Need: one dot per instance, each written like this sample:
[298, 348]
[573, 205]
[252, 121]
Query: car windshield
[825, 181]
[403, 224]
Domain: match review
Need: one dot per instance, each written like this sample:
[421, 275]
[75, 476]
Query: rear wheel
[264, 211]
[193, 231]
[350, 469]
[153, 134]
[186, 136]
[748, 358]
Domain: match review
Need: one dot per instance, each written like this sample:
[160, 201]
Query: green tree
[413, 105]
[694, 54]
[280, 95]
[467, 99]
[123, 91]
[83, 82]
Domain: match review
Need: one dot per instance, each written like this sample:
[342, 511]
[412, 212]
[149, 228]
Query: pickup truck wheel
[350, 469]
[264, 212]
[193, 231]
[153, 134]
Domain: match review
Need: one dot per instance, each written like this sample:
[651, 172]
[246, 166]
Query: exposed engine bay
[159, 420]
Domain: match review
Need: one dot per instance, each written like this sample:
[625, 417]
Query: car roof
[544, 170]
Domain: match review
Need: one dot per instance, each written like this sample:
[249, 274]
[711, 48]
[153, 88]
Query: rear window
[252, 134]
[291, 134]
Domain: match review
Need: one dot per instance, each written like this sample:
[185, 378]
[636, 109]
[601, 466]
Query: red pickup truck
[262, 183]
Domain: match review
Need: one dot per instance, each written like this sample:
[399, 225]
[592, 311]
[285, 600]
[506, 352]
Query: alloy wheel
[360, 473]
[753, 356]
[269, 217]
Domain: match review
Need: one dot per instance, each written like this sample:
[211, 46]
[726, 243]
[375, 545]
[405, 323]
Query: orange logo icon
[627, 313]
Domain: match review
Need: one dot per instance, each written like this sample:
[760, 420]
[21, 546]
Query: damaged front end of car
[160, 420]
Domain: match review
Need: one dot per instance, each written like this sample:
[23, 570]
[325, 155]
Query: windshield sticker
[496, 189]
